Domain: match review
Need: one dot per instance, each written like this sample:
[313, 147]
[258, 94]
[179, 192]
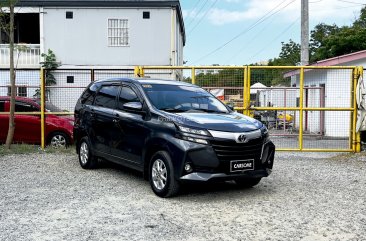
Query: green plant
[49, 64]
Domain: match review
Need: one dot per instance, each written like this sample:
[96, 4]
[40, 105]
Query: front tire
[86, 159]
[247, 182]
[161, 175]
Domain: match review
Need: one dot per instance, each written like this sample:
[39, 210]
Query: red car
[58, 129]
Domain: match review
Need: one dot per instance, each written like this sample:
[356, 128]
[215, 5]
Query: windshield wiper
[201, 96]
[173, 110]
[209, 111]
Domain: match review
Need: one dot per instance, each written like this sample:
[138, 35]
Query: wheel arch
[159, 144]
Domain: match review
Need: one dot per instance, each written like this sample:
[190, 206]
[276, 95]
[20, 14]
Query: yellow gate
[306, 108]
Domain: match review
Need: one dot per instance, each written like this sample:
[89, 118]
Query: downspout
[41, 31]
[172, 38]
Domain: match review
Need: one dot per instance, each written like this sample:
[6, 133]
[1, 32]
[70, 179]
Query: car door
[4, 122]
[27, 127]
[130, 131]
[102, 116]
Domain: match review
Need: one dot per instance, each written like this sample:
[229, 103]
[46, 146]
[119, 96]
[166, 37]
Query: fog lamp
[188, 167]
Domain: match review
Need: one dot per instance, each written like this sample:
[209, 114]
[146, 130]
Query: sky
[240, 32]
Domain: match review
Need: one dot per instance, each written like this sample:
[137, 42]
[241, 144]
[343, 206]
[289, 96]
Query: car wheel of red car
[58, 140]
[86, 158]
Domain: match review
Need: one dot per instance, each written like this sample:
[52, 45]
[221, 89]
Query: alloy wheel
[84, 153]
[159, 174]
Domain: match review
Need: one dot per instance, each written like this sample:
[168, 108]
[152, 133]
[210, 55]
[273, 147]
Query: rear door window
[106, 96]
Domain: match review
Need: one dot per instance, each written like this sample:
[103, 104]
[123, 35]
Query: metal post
[246, 93]
[358, 134]
[92, 75]
[193, 76]
[245, 79]
[42, 109]
[304, 32]
[301, 106]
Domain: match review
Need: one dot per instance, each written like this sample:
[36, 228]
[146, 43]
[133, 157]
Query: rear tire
[86, 159]
[247, 182]
[161, 175]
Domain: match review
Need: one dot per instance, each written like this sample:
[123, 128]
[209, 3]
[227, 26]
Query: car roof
[18, 98]
[146, 81]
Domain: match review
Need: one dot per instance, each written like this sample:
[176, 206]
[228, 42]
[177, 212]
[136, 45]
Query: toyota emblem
[242, 138]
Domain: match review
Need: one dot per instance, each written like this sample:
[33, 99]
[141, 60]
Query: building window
[145, 15]
[22, 91]
[69, 15]
[118, 32]
[70, 79]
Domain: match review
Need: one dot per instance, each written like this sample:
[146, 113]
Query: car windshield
[50, 107]
[181, 98]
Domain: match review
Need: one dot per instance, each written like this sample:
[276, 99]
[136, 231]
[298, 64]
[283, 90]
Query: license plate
[241, 165]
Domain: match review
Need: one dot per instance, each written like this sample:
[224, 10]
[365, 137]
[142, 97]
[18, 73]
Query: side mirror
[230, 106]
[136, 106]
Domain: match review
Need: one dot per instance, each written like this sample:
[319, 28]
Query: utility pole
[304, 32]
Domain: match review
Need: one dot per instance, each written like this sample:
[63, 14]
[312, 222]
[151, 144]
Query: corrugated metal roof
[108, 3]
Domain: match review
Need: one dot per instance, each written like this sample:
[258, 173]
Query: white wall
[83, 40]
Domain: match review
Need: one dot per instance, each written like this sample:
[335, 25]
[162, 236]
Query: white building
[94, 34]
[328, 88]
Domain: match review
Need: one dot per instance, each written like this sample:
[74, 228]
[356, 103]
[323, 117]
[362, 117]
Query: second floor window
[118, 32]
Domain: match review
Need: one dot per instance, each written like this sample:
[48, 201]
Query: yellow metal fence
[306, 108]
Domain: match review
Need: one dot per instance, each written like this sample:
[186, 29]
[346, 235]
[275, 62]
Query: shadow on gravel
[221, 190]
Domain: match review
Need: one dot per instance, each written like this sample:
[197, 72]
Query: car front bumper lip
[204, 177]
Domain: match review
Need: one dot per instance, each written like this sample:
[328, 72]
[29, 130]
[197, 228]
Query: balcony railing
[25, 55]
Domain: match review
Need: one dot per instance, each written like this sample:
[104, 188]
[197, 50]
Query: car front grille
[230, 150]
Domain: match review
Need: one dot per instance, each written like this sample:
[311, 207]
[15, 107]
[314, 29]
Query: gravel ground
[308, 197]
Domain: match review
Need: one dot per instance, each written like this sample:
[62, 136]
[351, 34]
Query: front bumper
[204, 177]
[209, 165]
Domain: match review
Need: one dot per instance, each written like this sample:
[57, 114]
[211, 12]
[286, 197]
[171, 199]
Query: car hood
[230, 122]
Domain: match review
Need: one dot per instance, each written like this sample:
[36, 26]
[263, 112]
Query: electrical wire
[203, 16]
[193, 19]
[273, 40]
[260, 20]
[351, 2]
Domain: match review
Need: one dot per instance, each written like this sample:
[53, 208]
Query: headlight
[193, 131]
[265, 133]
[187, 130]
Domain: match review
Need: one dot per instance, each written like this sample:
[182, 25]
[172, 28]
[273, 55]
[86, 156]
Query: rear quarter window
[87, 97]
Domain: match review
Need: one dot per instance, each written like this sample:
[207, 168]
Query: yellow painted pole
[245, 79]
[42, 109]
[358, 149]
[357, 134]
[193, 75]
[301, 114]
[141, 71]
[136, 71]
[247, 92]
